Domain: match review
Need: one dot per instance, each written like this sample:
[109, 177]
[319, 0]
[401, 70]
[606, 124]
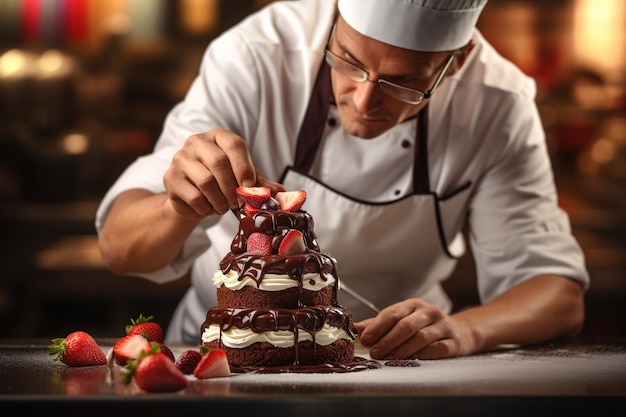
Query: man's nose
[367, 96]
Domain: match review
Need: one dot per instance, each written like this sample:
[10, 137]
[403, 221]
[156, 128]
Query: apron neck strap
[313, 125]
[312, 128]
[421, 182]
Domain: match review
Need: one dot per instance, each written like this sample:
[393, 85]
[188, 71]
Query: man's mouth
[364, 117]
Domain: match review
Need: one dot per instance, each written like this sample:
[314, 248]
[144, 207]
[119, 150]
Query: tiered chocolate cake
[276, 292]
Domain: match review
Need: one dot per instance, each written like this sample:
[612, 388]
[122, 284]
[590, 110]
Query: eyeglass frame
[332, 59]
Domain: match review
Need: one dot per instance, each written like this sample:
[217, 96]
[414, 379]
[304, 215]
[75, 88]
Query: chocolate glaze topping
[274, 222]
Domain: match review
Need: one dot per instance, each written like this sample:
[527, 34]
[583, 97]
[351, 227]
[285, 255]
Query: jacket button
[406, 143]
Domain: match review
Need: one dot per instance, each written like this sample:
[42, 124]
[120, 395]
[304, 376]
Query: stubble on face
[369, 123]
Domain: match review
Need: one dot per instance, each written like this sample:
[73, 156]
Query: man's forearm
[543, 308]
[142, 233]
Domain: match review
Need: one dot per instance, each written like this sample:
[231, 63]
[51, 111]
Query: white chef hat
[420, 25]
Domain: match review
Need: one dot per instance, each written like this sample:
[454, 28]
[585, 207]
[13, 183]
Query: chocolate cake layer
[251, 297]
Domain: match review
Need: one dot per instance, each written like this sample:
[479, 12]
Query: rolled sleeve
[549, 250]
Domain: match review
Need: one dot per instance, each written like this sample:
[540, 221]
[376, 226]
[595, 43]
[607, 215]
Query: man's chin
[363, 132]
[362, 128]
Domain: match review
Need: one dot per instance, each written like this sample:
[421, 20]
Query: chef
[406, 128]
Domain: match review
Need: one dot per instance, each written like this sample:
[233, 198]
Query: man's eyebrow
[346, 51]
[420, 71]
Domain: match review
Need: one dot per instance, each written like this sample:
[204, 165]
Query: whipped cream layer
[240, 338]
[272, 282]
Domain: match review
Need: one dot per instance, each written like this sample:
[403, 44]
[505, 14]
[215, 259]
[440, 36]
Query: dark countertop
[582, 376]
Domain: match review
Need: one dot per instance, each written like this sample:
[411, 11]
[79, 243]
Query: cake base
[307, 353]
[356, 365]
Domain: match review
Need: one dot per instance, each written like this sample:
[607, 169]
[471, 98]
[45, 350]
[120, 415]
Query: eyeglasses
[397, 91]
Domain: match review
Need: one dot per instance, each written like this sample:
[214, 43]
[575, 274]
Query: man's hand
[205, 172]
[144, 232]
[540, 309]
[414, 329]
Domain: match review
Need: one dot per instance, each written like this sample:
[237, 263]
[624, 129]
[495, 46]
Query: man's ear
[461, 57]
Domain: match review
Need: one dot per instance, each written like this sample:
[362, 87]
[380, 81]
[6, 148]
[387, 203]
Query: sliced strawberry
[145, 326]
[291, 200]
[214, 364]
[188, 360]
[255, 196]
[155, 372]
[292, 244]
[77, 349]
[249, 210]
[130, 347]
[259, 244]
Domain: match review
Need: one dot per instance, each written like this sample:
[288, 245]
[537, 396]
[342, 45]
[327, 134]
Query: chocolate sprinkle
[405, 363]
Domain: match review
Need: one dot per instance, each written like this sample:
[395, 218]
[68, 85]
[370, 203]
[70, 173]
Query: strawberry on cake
[276, 292]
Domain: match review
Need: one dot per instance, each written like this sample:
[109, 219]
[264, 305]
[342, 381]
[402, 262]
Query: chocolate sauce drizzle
[294, 266]
[274, 222]
[310, 319]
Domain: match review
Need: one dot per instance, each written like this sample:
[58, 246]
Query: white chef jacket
[483, 130]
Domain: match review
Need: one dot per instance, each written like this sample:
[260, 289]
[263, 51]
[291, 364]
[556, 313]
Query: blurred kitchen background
[85, 86]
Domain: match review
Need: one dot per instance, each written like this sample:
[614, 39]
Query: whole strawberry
[146, 327]
[155, 372]
[259, 244]
[167, 351]
[77, 349]
[189, 359]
